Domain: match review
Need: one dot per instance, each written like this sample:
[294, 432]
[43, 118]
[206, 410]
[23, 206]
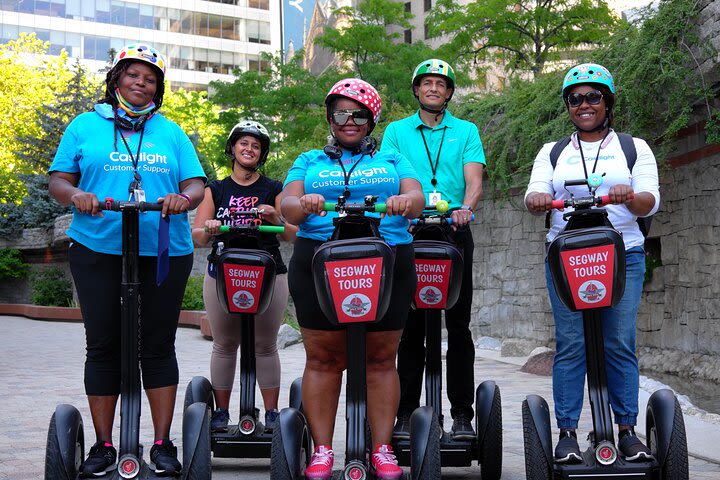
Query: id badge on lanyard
[434, 198]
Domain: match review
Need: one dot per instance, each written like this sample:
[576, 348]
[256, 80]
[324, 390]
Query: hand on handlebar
[539, 202]
[460, 218]
[270, 214]
[212, 227]
[398, 205]
[621, 194]
[173, 204]
[86, 202]
[312, 203]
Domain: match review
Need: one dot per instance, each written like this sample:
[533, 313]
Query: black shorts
[307, 307]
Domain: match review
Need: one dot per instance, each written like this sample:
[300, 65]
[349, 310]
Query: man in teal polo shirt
[448, 157]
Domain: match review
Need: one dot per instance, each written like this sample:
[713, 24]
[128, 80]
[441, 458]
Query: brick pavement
[41, 366]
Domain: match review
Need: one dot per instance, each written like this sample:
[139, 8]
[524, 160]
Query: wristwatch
[466, 207]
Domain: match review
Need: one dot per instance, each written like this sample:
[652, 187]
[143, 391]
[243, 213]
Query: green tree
[526, 34]
[28, 80]
[199, 119]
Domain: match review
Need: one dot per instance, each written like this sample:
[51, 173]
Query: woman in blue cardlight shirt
[353, 107]
[124, 146]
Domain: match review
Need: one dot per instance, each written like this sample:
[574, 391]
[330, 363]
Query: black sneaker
[271, 417]
[163, 456]
[402, 426]
[219, 420]
[633, 449]
[567, 449]
[100, 460]
[462, 427]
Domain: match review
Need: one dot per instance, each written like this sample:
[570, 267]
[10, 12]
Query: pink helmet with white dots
[358, 90]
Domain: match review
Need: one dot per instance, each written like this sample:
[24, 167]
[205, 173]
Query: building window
[261, 4]
[428, 5]
[408, 7]
[408, 36]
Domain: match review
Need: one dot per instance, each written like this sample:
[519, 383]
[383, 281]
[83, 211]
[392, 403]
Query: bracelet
[466, 207]
[186, 197]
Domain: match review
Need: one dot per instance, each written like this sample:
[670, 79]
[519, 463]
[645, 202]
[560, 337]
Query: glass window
[102, 48]
[57, 42]
[147, 19]
[240, 61]
[91, 10]
[174, 17]
[72, 9]
[89, 47]
[42, 34]
[25, 6]
[9, 5]
[227, 28]
[428, 5]
[261, 4]
[253, 31]
[117, 12]
[73, 42]
[253, 63]
[264, 32]
[408, 6]
[201, 24]
[9, 32]
[57, 8]
[408, 36]
[132, 15]
[186, 22]
[42, 7]
[215, 26]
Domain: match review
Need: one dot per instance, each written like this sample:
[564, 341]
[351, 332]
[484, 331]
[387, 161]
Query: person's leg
[619, 331]
[460, 356]
[383, 384]
[322, 378]
[226, 340]
[411, 362]
[568, 374]
[267, 326]
[100, 309]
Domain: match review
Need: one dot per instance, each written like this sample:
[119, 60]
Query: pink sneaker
[384, 464]
[321, 463]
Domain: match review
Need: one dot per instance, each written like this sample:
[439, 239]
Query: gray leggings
[226, 337]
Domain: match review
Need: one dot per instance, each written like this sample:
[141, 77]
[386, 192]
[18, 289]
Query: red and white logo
[355, 287]
[242, 287]
[433, 280]
[590, 275]
[430, 295]
[243, 299]
[356, 304]
[592, 291]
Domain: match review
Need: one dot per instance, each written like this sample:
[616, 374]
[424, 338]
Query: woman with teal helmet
[596, 149]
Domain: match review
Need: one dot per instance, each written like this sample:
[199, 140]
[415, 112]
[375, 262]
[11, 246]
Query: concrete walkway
[41, 366]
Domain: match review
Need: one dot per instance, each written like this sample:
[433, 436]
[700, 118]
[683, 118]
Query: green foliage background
[50, 287]
[11, 264]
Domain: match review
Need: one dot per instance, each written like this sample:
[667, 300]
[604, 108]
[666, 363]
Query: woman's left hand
[174, 203]
[269, 214]
[399, 205]
[621, 194]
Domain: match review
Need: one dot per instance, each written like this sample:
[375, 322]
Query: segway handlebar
[583, 202]
[119, 206]
[260, 228]
[355, 207]
[436, 217]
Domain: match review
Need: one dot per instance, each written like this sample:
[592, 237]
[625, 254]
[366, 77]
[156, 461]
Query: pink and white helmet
[358, 90]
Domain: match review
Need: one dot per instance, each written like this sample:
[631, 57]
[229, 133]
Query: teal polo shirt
[460, 145]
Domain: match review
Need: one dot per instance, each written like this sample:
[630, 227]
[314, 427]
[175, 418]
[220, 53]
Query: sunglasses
[592, 97]
[360, 116]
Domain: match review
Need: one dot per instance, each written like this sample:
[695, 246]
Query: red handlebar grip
[605, 200]
[557, 204]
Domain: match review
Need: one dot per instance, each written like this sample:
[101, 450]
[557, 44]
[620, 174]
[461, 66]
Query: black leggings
[97, 279]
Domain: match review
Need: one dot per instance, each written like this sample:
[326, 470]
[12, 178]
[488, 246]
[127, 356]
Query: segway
[245, 283]
[589, 233]
[353, 275]
[439, 265]
[65, 442]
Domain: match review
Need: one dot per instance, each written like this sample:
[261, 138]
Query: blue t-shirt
[377, 175]
[167, 157]
[457, 141]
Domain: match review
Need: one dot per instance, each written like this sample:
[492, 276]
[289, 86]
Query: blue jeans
[619, 336]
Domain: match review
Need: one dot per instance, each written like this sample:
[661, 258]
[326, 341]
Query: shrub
[50, 287]
[193, 297]
[11, 264]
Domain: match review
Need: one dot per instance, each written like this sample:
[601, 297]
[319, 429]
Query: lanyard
[135, 159]
[346, 175]
[582, 156]
[433, 168]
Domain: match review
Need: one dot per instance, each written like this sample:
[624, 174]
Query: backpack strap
[557, 150]
[628, 147]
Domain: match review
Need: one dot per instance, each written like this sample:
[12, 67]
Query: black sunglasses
[360, 116]
[592, 97]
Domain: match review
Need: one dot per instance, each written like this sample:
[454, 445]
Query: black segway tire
[674, 462]
[430, 468]
[536, 464]
[63, 456]
[490, 454]
[199, 389]
[295, 398]
[197, 463]
[290, 433]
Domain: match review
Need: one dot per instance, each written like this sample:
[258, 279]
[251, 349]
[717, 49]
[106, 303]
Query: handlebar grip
[329, 206]
[260, 228]
[378, 207]
[604, 200]
[557, 204]
[271, 228]
[117, 206]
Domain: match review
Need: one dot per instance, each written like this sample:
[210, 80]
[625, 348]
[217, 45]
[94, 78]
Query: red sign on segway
[242, 287]
[590, 275]
[433, 279]
[355, 287]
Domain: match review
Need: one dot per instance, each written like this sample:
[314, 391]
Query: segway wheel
[197, 464]
[280, 468]
[199, 389]
[430, 467]
[536, 464]
[674, 466]
[65, 449]
[490, 454]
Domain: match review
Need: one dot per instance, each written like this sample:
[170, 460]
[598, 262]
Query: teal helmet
[588, 73]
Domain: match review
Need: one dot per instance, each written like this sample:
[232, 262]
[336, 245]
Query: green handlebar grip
[271, 228]
[330, 207]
